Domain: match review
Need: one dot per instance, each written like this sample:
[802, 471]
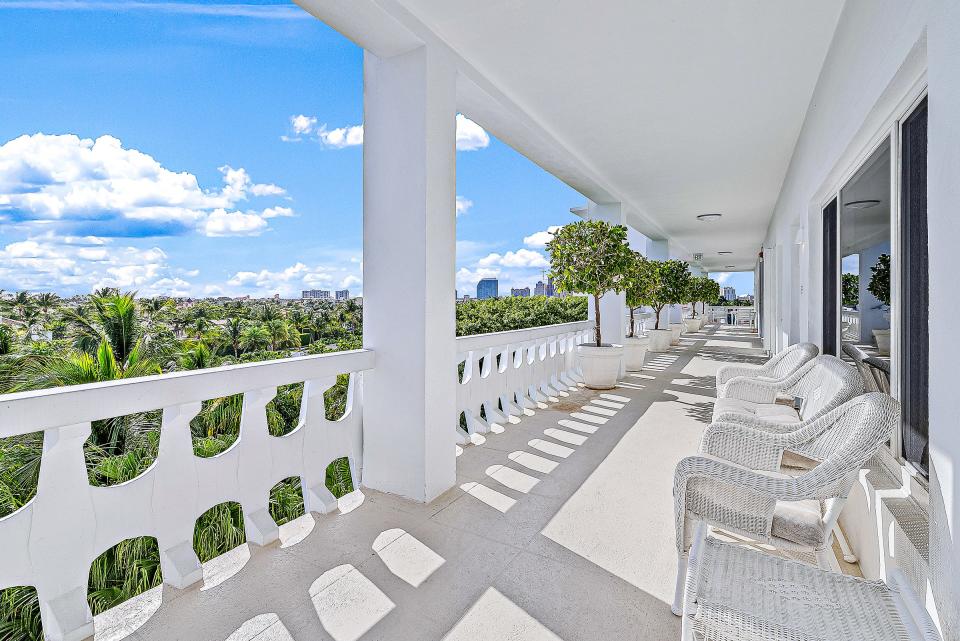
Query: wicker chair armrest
[727, 494]
[727, 372]
[745, 388]
[743, 445]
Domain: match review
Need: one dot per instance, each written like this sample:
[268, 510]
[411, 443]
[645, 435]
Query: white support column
[409, 250]
[613, 306]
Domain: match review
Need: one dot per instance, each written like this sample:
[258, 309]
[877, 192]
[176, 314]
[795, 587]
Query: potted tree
[640, 281]
[669, 289]
[879, 286]
[591, 257]
[710, 291]
[695, 291]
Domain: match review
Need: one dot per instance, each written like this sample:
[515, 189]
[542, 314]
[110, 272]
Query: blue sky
[197, 148]
[740, 281]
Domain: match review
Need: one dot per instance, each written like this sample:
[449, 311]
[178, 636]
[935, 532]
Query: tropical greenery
[590, 257]
[47, 341]
[879, 284]
[850, 290]
[671, 286]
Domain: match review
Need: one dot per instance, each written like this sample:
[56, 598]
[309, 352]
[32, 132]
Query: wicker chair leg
[677, 607]
[826, 560]
[848, 554]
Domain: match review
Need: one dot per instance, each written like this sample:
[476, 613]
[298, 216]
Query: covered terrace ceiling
[675, 109]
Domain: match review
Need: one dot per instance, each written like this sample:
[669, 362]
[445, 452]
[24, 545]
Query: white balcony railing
[51, 542]
[505, 372]
[850, 325]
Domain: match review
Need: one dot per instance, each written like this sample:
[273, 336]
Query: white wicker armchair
[737, 594]
[777, 368]
[824, 383]
[789, 512]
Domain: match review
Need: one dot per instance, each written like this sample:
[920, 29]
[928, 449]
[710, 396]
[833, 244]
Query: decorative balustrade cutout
[507, 372]
[69, 522]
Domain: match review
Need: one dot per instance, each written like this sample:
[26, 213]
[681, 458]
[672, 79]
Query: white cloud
[468, 278]
[463, 205]
[234, 223]
[524, 258]
[52, 264]
[470, 135]
[541, 238]
[721, 277]
[239, 184]
[276, 212]
[289, 281]
[341, 137]
[78, 187]
[302, 124]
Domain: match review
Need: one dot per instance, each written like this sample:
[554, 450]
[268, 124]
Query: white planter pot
[660, 340]
[634, 351]
[677, 329]
[692, 324]
[882, 336]
[600, 366]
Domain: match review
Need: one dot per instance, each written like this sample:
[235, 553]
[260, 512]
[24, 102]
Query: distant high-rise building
[488, 288]
[730, 294]
[520, 291]
[540, 289]
[550, 291]
[320, 294]
[343, 294]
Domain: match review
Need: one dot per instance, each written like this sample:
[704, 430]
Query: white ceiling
[675, 108]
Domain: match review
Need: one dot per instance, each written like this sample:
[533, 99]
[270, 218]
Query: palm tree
[234, 330]
[196, 356]
[22, 303]
[255, 337]
[114, 317]
[47, 301]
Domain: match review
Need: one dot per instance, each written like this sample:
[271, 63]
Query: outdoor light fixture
[709, 217]
[729, 266]
[724, 253]
[862, 204]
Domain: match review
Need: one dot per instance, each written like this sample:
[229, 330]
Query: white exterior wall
[943, 192]
[878, 64]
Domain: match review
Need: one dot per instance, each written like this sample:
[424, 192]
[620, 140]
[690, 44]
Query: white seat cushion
[800, 522]
[773, 412]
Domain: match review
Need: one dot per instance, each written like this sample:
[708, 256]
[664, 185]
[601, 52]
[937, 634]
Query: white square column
[613, 306]
[409, 251]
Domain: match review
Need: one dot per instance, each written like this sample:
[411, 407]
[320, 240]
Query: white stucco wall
[943, 191]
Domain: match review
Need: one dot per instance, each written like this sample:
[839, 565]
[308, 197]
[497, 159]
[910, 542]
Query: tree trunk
[596, 311]
[656, 311]
[694, 309]
[632, 333]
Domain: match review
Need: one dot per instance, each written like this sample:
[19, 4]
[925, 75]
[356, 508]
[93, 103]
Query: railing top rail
[496, 339]
[26, 412]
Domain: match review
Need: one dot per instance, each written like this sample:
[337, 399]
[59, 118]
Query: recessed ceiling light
[729, 266]
[709, 217]
[723, 253]
[862, 204]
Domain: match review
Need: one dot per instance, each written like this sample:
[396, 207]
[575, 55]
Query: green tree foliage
[672, 283]
[590, 257]
[850, 290]
[516, 312]
[700, 290]
[640, 285]
[879, 284]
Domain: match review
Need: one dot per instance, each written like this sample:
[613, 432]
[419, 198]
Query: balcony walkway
[561, 527]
